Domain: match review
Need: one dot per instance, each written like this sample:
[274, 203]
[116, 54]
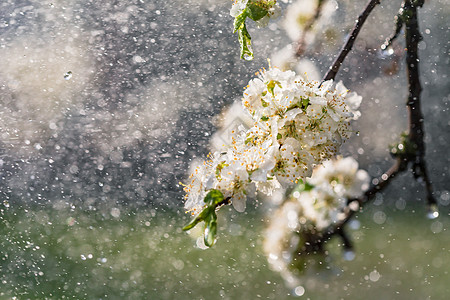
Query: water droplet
[433, 212]
[68, 75]
[379, 217]
[354, 224]
[374, 276]
[299, 291]
[386, 51]
[248, 57]
[349, 255]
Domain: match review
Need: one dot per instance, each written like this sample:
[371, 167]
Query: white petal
[239, 202]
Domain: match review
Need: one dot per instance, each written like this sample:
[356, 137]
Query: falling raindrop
[299, 291]
[354, 224]
[248, 57]
[433, 212]
[68, 75]
[348, 255]
[386, 51]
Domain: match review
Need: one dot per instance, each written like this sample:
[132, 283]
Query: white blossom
[343, 176]
[297, 124]
[313, 209]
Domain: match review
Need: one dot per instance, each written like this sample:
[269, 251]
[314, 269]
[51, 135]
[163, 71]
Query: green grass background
[143, 254]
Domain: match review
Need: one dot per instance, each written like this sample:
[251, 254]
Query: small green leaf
[256, 12]
[279, 136]
[307, 186]
[192, 224]
[264, 118]
[213, 198]
[209, 216]
[305, 103]
[245, 41]
[202, 216]
[239, 20]
[210, 230]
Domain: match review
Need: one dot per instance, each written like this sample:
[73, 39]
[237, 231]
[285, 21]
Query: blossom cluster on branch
[310, 208]
[297, 124]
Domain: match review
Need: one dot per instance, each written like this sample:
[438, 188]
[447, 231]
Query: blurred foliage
[53, 254]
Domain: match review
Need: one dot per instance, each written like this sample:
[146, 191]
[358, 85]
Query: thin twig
[348, 245]
[350, 40]
[398, 29]
[309, 25]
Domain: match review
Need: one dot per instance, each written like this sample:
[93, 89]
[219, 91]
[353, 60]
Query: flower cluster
[297, 124]
[312, 207]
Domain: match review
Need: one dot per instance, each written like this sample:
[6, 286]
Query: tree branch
[416, 131]
[300, 48]
[398, 28]
[378, 184]
[416, 159]
[350, 40]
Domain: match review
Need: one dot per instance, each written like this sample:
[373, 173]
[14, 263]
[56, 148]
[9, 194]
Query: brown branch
[398, 28]
[350, 40]
[416, 132]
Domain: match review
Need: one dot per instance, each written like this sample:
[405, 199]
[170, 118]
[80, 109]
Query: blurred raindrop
[349, 255]
[299, 291]
[432, 212]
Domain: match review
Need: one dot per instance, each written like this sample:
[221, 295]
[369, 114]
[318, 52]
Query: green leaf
[256, 12]
[202, 216]
[209, 216]
[239, 20]
[307, 187]
[245, 41]
[213, 198]
[210, 230]
[305, 103]
[264, 118]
